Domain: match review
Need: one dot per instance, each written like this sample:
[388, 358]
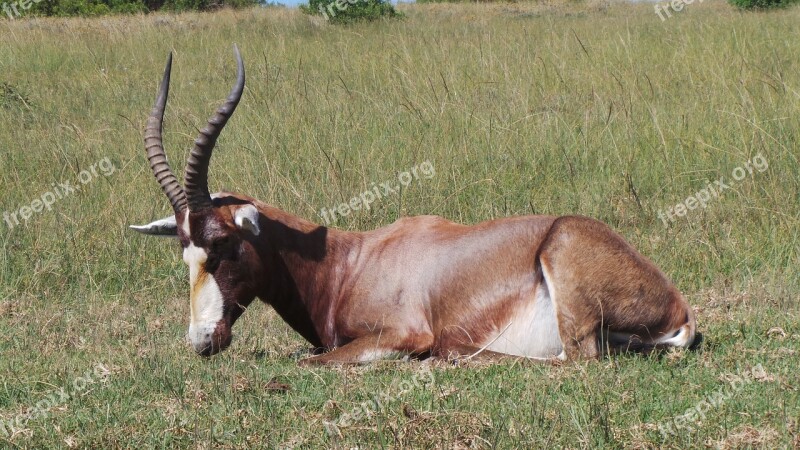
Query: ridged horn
[155, 148]
[196, 178]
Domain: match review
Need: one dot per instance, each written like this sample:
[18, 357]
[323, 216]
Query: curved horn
[196, 178]
[155, 148]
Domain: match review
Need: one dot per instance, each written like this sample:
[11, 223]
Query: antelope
[540, 287]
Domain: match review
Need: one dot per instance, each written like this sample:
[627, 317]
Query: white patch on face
[533, 331]
[185, 224]
[205, 297]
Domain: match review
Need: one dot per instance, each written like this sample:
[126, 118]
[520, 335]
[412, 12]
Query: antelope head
[217, 232]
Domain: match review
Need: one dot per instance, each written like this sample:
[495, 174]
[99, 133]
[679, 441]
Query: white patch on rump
[205, 297]
[682, 338]
[533, 331]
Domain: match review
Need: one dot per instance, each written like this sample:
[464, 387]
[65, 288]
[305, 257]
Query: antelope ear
[167, 226]
[246, 218]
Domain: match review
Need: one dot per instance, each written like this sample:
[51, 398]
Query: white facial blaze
[205, 296]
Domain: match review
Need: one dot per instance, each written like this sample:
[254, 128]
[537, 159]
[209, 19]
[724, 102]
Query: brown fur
[424, 285]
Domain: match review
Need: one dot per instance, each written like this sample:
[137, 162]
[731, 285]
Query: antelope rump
[539, 287]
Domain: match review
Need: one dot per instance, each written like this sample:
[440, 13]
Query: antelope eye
[221, 248]
[221, 243]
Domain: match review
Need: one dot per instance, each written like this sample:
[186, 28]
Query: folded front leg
[387, 344]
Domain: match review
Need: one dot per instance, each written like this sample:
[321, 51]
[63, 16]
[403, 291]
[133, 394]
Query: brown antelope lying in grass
[540, 287]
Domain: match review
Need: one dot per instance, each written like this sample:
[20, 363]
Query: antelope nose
[202, 346]
[206, 351]
[210, 344]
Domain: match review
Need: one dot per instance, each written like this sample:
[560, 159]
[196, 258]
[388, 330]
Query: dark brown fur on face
[541, 287]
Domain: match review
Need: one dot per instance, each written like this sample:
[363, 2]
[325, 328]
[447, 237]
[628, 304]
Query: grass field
[558, 108]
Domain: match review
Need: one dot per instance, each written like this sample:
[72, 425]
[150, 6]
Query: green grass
[594, 109]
